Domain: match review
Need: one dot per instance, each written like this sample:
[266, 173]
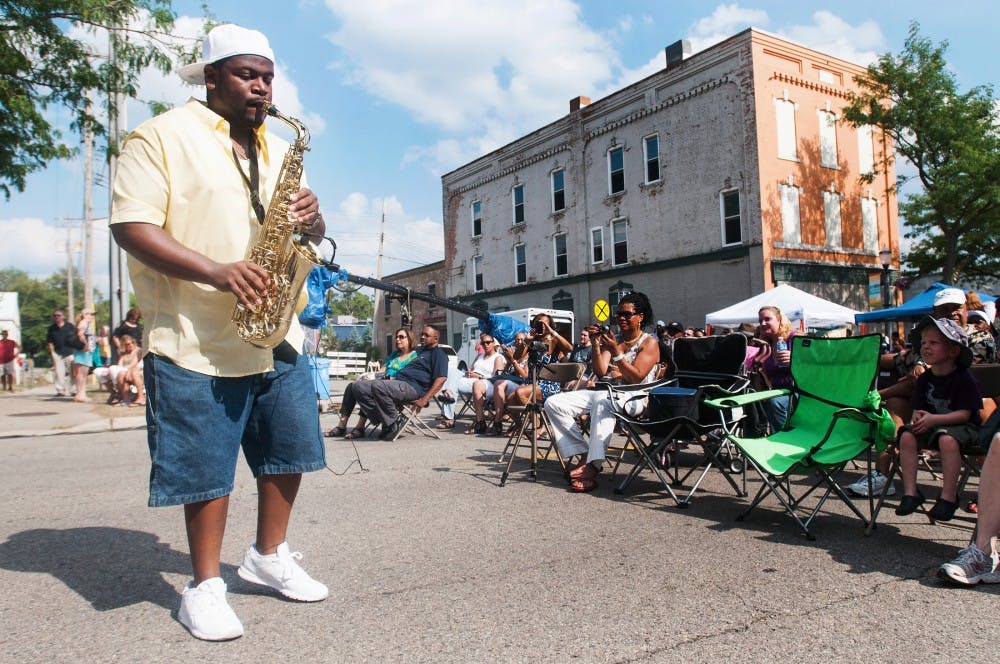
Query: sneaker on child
[206, 613]
[281, 571]
[860, 488]
[973, 566]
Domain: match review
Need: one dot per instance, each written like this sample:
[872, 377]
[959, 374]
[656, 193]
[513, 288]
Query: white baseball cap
[949, 296]
[225, 41]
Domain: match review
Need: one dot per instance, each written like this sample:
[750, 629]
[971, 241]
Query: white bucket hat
[225, 41]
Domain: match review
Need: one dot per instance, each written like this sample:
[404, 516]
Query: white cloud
[491, 69]
[723, 23]
[831, 34]
[38, 248]
[357, 222]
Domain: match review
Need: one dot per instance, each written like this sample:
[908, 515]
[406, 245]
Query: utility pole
[118, 281]
[378, 275]
[88, 213]
[70, 313]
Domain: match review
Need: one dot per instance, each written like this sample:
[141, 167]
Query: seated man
[418, 382]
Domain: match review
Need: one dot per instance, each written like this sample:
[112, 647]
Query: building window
[386, 304]
[477, 218]
[785, 111]
[732, 227]
[866, 150]
[561, 264]
[562, 300]
[477, 274]
[616, 171]
[651, 154]
[831, 219]
[791, 231]
[520, 265]
[596, 245]
[558, 190]
[869, 224]
[517, 197]
[619, 240]
[828, 139]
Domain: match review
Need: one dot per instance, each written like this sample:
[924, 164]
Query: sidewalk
[39, 412]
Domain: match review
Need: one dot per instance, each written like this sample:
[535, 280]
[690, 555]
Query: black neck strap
[252, 182]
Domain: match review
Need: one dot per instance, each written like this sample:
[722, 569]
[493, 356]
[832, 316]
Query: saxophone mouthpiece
[271, 109]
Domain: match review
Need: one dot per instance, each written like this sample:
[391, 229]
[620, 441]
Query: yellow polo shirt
[177, 171]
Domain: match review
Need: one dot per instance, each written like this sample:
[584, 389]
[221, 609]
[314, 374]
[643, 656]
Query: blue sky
[396, 93]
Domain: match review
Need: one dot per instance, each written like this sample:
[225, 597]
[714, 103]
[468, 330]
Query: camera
[605, 329]
[539, 348]
[539, 328]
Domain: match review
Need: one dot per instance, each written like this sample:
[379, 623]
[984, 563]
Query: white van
[562, 321]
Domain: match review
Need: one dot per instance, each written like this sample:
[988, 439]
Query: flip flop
[354, 434]
[336, 432]
[583, 485]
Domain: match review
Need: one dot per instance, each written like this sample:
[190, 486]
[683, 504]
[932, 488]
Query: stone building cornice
[809, 85]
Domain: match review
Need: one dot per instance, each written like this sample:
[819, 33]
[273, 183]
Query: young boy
[946, 403]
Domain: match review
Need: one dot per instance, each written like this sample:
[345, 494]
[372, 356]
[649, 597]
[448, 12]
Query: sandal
[972, 505]
[354, 434]
[585, 471]
[446, 424]
[585, 485]
[336, 432]
[498, 428]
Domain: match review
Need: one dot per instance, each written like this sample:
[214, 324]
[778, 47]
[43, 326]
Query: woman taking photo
[406, 350]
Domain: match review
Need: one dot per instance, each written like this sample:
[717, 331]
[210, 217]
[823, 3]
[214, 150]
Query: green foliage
[350, 303]
[37, 300]
[952, 139]
[42, 65]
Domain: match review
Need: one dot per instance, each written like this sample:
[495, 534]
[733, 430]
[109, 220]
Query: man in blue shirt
[417, 383]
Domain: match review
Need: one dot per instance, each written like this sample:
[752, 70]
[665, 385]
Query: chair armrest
[736, 400]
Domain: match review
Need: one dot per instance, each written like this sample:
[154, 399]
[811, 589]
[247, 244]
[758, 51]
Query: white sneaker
[206, 613]
[972, 566]
[860, 488]
[281, 572]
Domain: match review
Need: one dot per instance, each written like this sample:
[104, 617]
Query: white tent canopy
[803, 309]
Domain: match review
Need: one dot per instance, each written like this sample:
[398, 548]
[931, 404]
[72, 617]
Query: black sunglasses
[627, 315]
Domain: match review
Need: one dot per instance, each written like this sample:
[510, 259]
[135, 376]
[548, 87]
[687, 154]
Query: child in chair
[946, 403]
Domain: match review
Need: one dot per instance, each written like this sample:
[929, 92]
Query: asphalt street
[429, 560]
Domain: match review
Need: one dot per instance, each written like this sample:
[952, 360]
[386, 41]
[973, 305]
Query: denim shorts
[196, 425]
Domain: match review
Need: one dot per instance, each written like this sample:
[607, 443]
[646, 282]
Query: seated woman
[128, 377]
[556, 348]
[475, 382]
[777, 331]
[406, 347]
[634, 354]
[110, 377]
[513, 375]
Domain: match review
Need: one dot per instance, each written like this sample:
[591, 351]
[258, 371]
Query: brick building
[425, 279]
[718, 177]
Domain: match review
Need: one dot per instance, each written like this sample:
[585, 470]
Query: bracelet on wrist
[618, 358]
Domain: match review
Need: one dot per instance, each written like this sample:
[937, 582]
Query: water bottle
[779, 346]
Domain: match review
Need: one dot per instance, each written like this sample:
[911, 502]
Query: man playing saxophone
[189, 197]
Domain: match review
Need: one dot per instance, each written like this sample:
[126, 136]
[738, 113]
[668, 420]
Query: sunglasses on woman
[627, 315]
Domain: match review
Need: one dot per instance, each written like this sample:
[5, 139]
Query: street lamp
[885, 257]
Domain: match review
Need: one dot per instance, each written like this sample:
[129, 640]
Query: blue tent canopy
[921, 305]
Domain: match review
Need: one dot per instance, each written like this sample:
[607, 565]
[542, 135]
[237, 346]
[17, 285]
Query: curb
[98, 426]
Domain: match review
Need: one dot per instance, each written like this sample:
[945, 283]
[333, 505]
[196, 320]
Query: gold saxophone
[285, 255]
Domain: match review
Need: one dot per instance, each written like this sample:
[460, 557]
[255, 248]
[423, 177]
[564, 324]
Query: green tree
[350, 303]
[42, 65]
[37, 299]
[952, 140]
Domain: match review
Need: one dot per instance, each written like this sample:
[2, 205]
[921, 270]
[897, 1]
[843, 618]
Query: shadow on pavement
[108, 567]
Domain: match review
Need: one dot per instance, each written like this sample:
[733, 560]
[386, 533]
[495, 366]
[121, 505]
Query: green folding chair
[835, 417]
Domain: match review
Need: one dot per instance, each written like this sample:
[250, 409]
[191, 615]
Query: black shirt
[430, 363]
[58, 336]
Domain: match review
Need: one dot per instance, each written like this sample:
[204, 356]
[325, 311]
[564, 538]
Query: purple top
[779, 375]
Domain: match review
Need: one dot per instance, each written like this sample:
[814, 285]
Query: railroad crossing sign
[601, 310]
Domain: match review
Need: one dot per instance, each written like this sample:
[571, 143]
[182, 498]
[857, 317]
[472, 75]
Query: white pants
[63, 367]
[564, 407]
[460, 384]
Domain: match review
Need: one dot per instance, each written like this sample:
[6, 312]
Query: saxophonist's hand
[303, 209]
[247, 281]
